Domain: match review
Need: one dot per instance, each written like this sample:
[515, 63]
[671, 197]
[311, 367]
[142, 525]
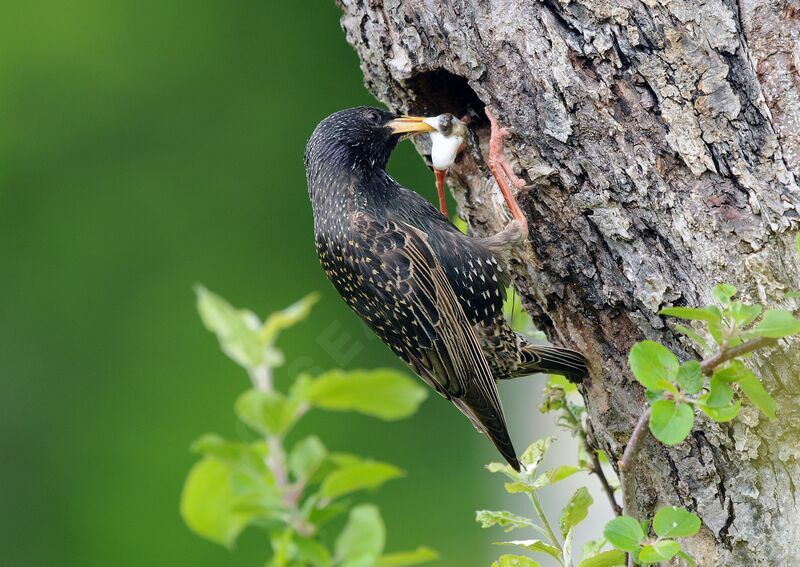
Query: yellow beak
[410, 125]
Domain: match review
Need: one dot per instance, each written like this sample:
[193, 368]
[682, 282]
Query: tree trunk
[661, 141]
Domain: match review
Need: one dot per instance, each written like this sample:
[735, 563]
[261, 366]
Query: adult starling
[432, 294]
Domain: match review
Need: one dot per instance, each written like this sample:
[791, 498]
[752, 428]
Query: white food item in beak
[444, 149]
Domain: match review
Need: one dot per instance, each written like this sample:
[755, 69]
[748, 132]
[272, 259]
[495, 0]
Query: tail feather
[551, 360]
[494, 428]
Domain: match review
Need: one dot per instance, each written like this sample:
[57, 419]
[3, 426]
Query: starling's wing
[419, 315]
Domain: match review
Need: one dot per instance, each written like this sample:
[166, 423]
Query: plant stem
[578, 425]
[540, 512]
[261, 378]
[597, 469]
[709, 364]
[626, 463]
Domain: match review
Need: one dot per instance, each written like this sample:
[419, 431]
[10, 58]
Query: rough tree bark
[661, 139]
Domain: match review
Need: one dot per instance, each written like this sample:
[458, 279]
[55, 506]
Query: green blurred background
[145, 147]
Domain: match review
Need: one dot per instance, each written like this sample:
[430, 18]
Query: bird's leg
[440, 175]
[502, 172]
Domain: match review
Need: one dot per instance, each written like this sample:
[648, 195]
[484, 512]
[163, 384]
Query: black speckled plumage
[432, 294]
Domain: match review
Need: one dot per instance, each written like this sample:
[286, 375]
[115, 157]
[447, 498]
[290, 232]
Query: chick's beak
[410, 125]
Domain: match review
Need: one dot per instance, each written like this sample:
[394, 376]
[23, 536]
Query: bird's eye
[373, 116]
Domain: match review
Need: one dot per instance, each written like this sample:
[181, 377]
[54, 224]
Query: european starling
[432, 294]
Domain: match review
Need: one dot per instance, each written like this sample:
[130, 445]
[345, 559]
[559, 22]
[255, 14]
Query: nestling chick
[447, 140]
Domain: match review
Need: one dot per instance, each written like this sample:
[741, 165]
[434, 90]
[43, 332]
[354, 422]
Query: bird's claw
[501, 169]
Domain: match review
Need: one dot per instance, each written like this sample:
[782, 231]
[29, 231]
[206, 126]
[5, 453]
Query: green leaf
[659, 551]
[245, 457]
[417, 557]
[306, 457]
[311, 552]
[567, 547]
[708, 314]
[535, 452]
[593, 547]
[671, 521]
[624, 533]
[236, 330]
[722, 414]
[321, 516]
[752, 387]
[720, 393]
[723, 293]
[775, 324]
[283, 548]
[554, 475]
[652, 397]
[653, 363]
[535, 545]
[362, 476]
[384, 393]
[611, 558]
[730, 373]
[208, 503]
[519, 486]
[515, 561]
[505, 469]
[286, 318]
[363, 537]
[671, 423]
[687, 558]
[690, 377]
[575, 511]
[744, 314]
[501, 518]
[269, 413]
[715, 327]
[694, 336]
[561, 383]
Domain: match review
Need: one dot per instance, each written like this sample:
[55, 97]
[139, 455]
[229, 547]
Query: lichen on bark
[661, 141]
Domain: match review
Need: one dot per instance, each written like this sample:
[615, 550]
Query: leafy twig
[597, 467]
[639, 432]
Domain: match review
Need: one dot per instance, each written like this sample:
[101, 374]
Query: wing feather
[418, 314]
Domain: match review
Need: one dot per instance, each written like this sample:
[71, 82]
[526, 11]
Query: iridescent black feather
[432, 294]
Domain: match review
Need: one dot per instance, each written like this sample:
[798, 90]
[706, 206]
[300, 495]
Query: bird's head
[362, 135]
[448, 125]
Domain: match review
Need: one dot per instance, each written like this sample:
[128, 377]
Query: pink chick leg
[440, 175]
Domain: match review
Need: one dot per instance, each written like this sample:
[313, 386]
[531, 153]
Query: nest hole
[439, 91]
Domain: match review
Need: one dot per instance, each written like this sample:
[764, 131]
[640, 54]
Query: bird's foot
[501, 169]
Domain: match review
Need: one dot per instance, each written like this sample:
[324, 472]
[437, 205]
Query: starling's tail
[551, 360]
[494, 427]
